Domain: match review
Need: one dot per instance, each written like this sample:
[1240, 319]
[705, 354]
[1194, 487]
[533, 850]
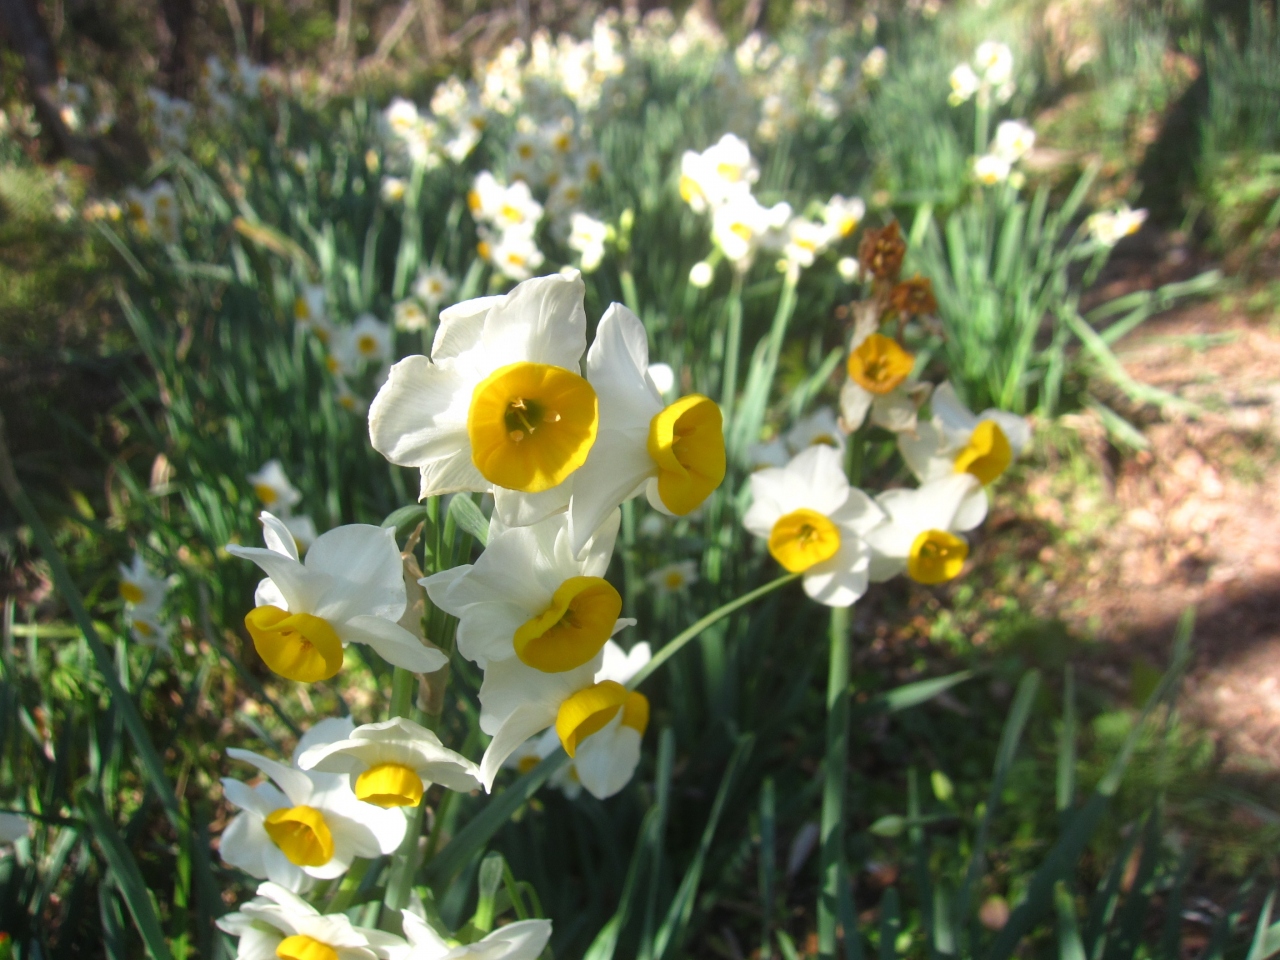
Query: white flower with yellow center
[522, 940]
[391, 764]
[139, 587]
[673, 578]
[815, 524]
[587, 236]
[503, 206]
[514, 252]
[1013, 141]
[805, 240]
[606, 760]
[708, 178]
[433, 286]
[819, 428]
[880, 383]
[309, 310]
[146, 627]
[532, 598]
[272, 487]
[393, 189]
[673, 453]
[409, 316]
[921, 535]
[1110, 228]
[994, 61]
[279, 924]
[990, 169]
[958, 441]
[500, 404]
[742, 223]
[301, 826]
[964, 84]
[350, 590]
[371, 339]
[842, 215]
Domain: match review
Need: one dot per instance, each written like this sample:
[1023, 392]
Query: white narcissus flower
[673, 453]
[920, 536]
[741, 224]
[606, 760]
[815, 524]
[139, 587]
[522, 940]
[843, 215]
[990, 169]
[391, 764]
[272, 487]
[958, 441]
[708, 178]
[531, 597]
[805, 240]
[350, 590]
[964, 84]
[995, 62]
[1111, 228]
[587, 236]
[820, 427]
[309, 310]
[1014, 140]
[505, 207]
[433, 286]
[303, 529]
[280, 924]
[880, 383]
[500, 404]
[673, 577]
[371, 339]
[301, 826]
[409, 316]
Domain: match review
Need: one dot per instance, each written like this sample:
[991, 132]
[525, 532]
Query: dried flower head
[914, 297]
[882, 251]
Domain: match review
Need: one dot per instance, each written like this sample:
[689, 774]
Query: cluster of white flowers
[840, 539]
[988, 77]
[143, 593]
[508, 218]
[169, 117]
[719, 180]
[1013, 141]
[1110, 227]
[154, 212]
[366, 346]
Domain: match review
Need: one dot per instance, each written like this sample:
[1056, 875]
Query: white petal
[301, 589]
[516, 509]
[842, 579]
[895, 411]
[420, 413]
[262, 799]
[607, 760]
[331, 730]
[427, 944]
[953, 416]
[366, 570]
[297, 786]
[269, 595]
[517, 727]
[617, 367]
[616, 470]
[453, 474]
[394, 644]
[540, 321]
[923, 452]
[854, 404]
[460, 326]
[522, 940]
[510, 684]
[1015, 428]
[277, 536]
[620, 666]
[486, 631]
[972, 509]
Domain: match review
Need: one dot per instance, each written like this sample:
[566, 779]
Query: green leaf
[125, 875]
[672, 931]
[921, 691]
[468, 517]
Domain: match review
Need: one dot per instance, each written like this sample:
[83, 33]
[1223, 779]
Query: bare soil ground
[1195, 520]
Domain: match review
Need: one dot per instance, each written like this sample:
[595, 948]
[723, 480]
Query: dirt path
[1199, 524]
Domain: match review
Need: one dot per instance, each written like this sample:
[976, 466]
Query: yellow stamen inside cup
[390, 785]
[878, 365]
[987, 454]
[301, 309]
[674, 580]
[298, 646]
[936, 557]
[531, 425]
[266, 493]
[686, 441]
[635, 712]
[573, 628]
[528, 763]
[131, 592]
[742, 230]
[367, 345]
[302, 947]
[301, 834]
[588, 711]
[144, 629]
[802, 539]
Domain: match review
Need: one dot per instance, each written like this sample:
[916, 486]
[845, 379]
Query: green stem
[831, 836]
[732, 347]
[400, 878]
[678, 642]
